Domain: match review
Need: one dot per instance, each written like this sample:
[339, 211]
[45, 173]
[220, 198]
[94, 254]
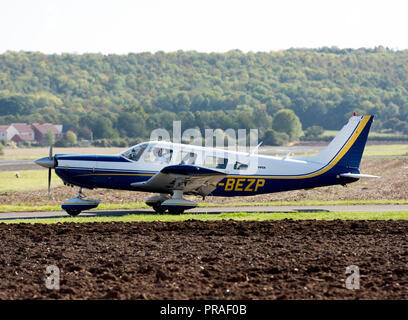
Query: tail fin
[347, 148]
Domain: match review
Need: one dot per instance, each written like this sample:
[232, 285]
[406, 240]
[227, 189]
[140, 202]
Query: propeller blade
[49, 183]
[50, 152]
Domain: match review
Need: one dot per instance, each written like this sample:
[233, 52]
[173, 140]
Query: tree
[85, 133]
[275, 138]
[396, 125]
[182, 102]
[71, 138]
[131, 124]
[50, 137]
[16, 104]
[226, 90]
[314, 132]
[100, 125]
[288, 122]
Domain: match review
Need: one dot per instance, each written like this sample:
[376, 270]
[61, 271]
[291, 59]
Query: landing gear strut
[177, 205]
[74, 206]
[174, 205]
[81, 195]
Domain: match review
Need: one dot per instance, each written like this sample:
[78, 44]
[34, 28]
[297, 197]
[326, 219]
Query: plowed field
[206, 260]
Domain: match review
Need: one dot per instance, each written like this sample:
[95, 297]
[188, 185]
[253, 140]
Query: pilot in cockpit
[161, 156]
[158, 155]
[133, 154]
[189, 158]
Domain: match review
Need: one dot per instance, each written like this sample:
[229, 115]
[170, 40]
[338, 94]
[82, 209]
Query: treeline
[118, 96]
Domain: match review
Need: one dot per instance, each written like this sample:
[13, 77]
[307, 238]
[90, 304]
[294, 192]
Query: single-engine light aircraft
[172, 170]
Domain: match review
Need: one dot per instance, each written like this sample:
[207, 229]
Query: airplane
[172, 170]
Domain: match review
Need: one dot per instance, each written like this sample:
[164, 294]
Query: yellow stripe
[117, 174]
[346, 148]
[80, 204]
[179, 204]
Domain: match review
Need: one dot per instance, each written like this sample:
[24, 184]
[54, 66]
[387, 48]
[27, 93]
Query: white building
[7, 132]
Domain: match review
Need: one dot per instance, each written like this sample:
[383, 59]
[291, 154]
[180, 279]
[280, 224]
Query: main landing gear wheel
[176, 211]
[158, 208]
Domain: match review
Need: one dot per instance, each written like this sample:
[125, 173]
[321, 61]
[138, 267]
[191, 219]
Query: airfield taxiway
[4, 216]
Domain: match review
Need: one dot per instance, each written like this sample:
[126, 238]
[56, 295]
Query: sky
[124, 26]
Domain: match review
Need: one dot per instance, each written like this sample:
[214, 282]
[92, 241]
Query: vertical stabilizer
[347, 148]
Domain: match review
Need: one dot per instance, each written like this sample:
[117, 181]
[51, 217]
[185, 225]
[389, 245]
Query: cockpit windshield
[135, 152]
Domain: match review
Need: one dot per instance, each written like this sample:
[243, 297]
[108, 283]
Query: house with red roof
[24, 132]
[41, 130]
[20, 132]
[7, 132]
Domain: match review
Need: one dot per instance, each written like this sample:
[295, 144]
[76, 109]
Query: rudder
[352, 157]
[347, 148]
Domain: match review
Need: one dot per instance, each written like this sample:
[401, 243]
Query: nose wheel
[74, 206]
[72, 212]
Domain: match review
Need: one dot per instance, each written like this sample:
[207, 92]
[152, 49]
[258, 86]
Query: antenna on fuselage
[251, 152]
[287, 156]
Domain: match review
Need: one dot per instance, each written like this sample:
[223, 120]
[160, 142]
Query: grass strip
[224, 216]
[142, 205]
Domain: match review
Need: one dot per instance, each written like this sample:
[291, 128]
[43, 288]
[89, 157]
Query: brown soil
[206, 260]
[393, 184]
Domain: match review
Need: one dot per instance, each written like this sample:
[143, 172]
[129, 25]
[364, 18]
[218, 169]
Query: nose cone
[46, 162]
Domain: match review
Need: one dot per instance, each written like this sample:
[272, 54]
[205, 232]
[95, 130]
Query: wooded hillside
[129, 95]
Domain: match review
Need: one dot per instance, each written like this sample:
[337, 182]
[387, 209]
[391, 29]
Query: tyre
[158, 209]
[176, 211]
[73, 212]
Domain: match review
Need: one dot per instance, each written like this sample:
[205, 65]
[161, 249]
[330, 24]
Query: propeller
[48, 162]
[49, 173]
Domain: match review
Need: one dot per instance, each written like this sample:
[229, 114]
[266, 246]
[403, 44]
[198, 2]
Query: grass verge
[28, 180]
[142, 205]
[225, 216]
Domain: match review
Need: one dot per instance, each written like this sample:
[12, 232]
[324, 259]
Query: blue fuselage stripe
[245, 186]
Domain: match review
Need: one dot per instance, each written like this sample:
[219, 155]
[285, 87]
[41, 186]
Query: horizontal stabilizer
[356, 175]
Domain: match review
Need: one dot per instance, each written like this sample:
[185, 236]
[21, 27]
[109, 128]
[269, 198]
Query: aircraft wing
[191, 179]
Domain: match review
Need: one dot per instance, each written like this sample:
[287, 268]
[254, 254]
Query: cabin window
[240, 166]
[188, 157]
[215, 162]
[135, 153]
[159, 155]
